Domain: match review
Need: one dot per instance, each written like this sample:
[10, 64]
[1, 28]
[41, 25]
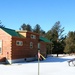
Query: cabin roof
[16, 34]
[44, 40]
[11, 32]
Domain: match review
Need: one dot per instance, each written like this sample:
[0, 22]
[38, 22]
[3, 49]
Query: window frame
[39, 45]
[33, 36]
[31, 44]
[1, 46]
[19, 43]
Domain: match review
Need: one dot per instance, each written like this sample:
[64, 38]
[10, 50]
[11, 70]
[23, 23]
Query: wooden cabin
[16, 46]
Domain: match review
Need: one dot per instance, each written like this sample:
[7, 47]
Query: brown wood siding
[24, 51]
[43, 48]
[6, 45]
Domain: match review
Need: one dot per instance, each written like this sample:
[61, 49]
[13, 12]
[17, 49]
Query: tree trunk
[57, 55]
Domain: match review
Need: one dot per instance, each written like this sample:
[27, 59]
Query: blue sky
[13, 13]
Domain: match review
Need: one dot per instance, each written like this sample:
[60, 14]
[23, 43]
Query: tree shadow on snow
[51, 59]
[55, 59]
[48, 59]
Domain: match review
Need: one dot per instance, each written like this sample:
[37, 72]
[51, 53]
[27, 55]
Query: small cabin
[16, 46]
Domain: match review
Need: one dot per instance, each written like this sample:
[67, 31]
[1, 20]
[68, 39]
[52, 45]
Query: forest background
[60, 43]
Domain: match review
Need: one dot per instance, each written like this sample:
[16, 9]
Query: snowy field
[50, 66]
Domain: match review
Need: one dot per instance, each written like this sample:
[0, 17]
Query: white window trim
[31, 44]
[19, 43]
[39, 45]
[1, 46]
[33, 36]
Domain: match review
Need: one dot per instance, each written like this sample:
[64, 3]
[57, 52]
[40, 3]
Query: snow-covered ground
[50, 66]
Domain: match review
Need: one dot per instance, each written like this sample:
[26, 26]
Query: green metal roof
[11, 32]
[44, 39]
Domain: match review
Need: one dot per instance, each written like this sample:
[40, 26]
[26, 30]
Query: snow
[50, 66]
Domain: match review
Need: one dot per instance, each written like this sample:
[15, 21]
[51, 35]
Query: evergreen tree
[1, 24]
[55, 35]
[70, 42]
[42, 33]
[57, 31]
[37, 29]
[25, 27]
[28, 28]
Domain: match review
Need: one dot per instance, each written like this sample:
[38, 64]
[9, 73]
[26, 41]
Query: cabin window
[0, 46]
[31, 44]
[19, 43]
[33, 36]
[38, 45]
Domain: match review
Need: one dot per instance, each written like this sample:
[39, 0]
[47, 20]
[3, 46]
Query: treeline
[60, 43]
[36, 29]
